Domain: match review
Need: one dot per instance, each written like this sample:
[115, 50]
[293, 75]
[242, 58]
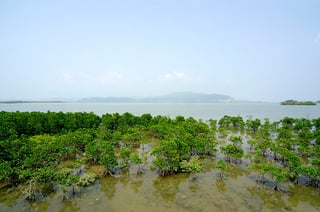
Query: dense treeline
[14, 125]
[35, 148]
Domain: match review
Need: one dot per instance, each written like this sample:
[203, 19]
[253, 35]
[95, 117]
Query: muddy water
[182, 192]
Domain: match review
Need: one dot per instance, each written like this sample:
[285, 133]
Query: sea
[203, 111]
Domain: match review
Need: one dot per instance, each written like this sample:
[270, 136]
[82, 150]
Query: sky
[250, 50]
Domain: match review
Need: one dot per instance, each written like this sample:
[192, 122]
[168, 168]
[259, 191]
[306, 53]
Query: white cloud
[109, 77]
[317, 39]
[176, 75]
[228, 81]
[67, 77]
[168, 76]
[92, 77]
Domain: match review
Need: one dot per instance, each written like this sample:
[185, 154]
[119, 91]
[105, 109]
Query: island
[294, 102]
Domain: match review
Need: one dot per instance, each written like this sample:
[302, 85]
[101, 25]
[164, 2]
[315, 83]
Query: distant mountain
[107, 100]
[180, 97]
[191, 97]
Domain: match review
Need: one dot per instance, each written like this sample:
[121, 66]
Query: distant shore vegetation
[295, 102]
[21, 102]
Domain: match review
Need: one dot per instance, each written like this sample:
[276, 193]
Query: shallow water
[182, 192]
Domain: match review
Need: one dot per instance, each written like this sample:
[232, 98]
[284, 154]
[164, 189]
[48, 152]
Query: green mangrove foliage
[137, 161]
[46, 151]
[222, 166]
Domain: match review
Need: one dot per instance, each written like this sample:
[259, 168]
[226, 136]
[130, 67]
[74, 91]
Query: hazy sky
[255, 50]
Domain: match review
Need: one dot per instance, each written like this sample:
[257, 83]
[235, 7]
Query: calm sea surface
[205, 111]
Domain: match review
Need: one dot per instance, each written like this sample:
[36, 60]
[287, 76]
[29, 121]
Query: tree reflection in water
[70, 206]
[135, 184]
[124, 178]
[221, 185]
[235, 171]
[271, 199]
[167, 187]
[108, 186]
[194, 184]
[299, 193]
